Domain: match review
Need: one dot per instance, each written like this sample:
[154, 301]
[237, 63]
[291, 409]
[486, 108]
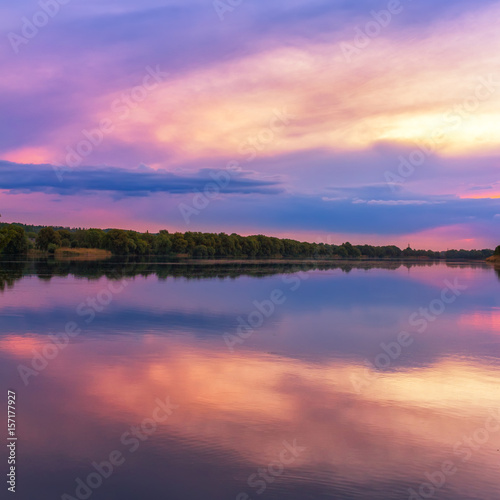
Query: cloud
[480, 188]
[227, 78]
[139, 182]
[297, 213]
[393, 203]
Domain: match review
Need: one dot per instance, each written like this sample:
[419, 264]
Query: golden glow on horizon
[436, 132]
[492, 196]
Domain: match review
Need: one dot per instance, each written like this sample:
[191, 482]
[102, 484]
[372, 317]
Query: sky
[323, 120]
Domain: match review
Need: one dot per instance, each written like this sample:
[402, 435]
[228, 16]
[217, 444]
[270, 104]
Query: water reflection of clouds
[244, 406]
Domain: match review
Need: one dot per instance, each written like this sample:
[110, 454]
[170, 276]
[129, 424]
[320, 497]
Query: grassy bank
[81, 254]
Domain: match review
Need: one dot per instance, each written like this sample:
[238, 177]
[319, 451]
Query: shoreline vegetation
[495, 258]
[81, 254]
[95, 244]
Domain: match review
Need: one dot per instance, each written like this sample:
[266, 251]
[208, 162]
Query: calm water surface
[356, 383]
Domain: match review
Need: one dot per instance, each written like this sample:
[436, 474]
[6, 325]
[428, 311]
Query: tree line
[18, 239]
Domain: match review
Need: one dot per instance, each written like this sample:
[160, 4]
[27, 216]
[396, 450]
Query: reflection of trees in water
[497, 270]
[8, 276]
[46, 269]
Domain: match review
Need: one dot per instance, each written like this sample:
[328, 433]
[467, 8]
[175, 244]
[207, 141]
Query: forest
[19, 239]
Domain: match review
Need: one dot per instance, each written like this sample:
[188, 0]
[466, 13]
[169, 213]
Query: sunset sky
[325, 120]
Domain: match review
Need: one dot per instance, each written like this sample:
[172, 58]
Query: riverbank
[90, 254]
[81, 254]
